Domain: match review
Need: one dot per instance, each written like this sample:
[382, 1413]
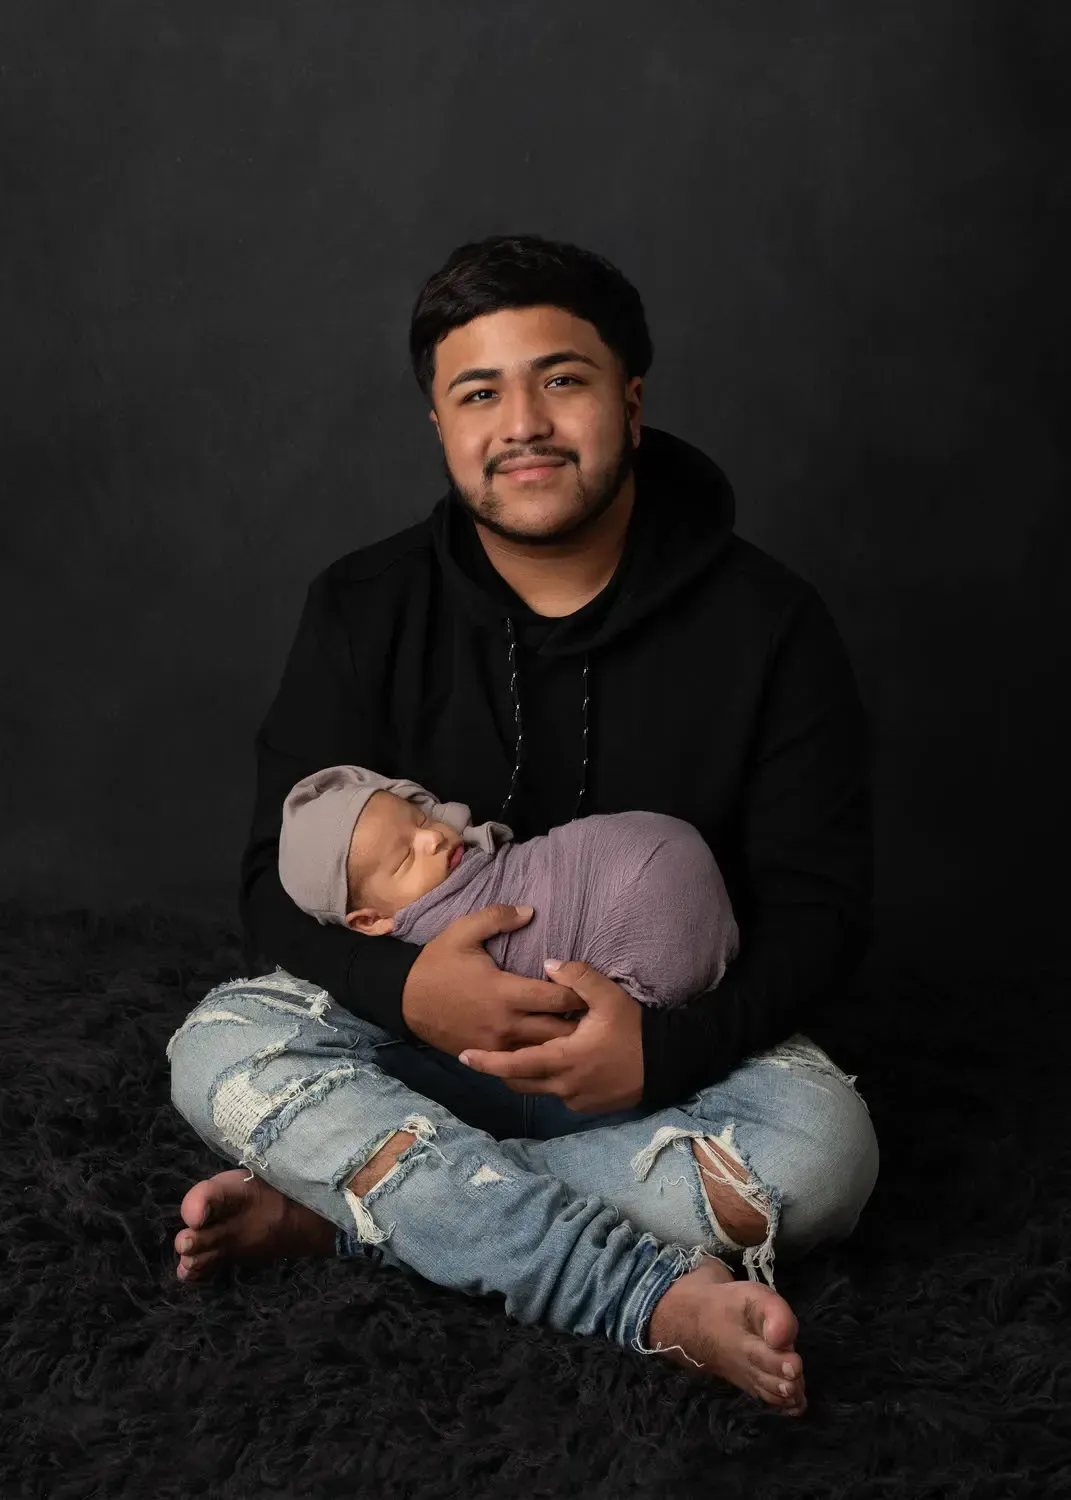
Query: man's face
[502, 391]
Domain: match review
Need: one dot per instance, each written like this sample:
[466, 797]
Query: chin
[518, 523]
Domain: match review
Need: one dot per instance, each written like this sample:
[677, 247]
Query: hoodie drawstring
[518, 731]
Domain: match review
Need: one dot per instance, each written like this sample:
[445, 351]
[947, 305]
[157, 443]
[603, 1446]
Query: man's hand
[456, 996]
[596, 1070]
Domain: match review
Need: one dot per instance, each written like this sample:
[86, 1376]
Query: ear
[438, 430]
[634, 408]
[369, 921]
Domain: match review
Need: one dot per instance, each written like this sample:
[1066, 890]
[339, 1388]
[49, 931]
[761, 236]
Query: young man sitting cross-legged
[575, 629]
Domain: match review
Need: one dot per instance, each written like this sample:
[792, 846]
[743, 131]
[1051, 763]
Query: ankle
[670, 1306]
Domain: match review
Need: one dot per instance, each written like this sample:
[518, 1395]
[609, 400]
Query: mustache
[458, 496]
[507, 458]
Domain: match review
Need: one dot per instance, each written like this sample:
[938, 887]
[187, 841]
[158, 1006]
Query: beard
[592, 498]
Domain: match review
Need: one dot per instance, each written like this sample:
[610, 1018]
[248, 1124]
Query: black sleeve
[316, 719]
[805, 880]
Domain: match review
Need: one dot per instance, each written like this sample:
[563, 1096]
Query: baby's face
[396, 856]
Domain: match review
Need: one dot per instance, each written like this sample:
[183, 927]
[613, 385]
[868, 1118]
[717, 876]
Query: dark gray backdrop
[842, 220]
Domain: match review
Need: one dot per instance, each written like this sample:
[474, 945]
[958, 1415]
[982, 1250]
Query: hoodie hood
[681, 523]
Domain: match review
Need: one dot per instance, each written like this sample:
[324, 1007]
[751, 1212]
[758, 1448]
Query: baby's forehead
[388, 807]
[383, 812]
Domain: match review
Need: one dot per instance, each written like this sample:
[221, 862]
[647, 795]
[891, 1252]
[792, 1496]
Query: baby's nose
[432, 839]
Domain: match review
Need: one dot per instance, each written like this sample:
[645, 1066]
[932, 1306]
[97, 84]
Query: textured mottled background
[843, 222]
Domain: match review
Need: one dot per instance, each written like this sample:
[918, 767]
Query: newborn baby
[637, 895]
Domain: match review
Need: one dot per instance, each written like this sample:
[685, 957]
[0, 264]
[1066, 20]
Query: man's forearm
[366, 975]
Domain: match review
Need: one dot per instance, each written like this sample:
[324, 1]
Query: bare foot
[250, 1220]
[737, 1330]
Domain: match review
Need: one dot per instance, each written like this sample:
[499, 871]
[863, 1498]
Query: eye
[411, 854]
[486, 390]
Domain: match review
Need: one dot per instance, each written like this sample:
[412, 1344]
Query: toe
[777, 1363]
[773, 1398]
[770, 1388]
[194, 1242]
[779, 1325]
[215, 1199]
[193, 1206]
[192, 1267]
[780, 1392]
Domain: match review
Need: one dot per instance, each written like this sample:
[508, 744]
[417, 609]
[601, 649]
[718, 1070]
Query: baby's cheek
[428, 880]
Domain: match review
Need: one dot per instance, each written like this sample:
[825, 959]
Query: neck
[560, 578]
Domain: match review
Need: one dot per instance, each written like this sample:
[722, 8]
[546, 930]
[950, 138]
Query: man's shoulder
[762, 583]
[393, 561]
[767, 603]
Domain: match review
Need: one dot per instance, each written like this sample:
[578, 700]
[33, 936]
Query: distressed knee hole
[741, 1210]
[742, 1220]
[383, 1165]
[380, 1164]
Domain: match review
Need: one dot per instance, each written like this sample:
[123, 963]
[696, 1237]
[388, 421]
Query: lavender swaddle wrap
[637, 895]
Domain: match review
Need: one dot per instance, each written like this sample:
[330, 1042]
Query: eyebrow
[544, 362]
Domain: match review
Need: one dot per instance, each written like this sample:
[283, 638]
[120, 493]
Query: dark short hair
[525, 270]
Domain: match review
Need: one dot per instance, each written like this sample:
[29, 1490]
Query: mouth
[456, 857]
[532, 473]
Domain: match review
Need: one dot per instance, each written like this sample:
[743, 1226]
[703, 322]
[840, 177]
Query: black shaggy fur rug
[936, 1343]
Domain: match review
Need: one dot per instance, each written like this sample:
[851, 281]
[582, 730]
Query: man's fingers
[533, 1031]
[478, 926]
[526, 1062]
[569, 972]
[537, 995]
[582, 980]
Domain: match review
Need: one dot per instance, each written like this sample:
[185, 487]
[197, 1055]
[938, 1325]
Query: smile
[532, 476]
[527, 472]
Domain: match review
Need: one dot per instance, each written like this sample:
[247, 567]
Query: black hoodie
[706, 681]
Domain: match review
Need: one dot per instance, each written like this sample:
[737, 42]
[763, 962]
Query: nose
[523, 417]
[429, 840]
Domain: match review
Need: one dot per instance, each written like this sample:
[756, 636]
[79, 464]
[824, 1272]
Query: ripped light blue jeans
[580, 1221]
